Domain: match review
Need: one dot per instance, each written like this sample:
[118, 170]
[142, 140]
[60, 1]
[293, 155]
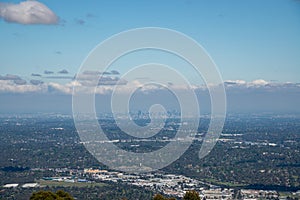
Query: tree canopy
[48, 195]
[161, 197]
[190, 195]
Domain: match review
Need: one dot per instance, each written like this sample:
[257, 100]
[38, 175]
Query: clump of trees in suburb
[190, 195]
[62, 195]
[48, 195]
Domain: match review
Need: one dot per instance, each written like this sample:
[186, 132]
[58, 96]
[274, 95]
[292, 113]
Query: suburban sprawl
[256, 157]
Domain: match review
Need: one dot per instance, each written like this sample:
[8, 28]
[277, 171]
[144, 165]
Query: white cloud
[251, 84]
[235, 82]
[66, 89]
[15, 84]
[27, 12]
[259, 82]
[9, 86]
[89, 78]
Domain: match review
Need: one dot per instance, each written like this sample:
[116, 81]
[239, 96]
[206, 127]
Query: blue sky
[247, 39]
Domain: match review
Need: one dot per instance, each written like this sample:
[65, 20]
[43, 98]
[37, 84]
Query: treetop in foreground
[48, 195]
[189, 195]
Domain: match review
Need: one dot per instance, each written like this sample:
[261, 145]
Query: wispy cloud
[36, 82]
[10, 77]
[115, 72]
[48, 72]
[80, 21]
[91, 72]
[89, 78]
[90, 15]
[20, 82]
[27, 12]
[64, 71]
[60, 77]
[34, 74]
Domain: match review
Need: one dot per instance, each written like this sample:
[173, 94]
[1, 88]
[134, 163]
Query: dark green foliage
[64, 195]
[191, 195]
[48, 195]
[161, 197]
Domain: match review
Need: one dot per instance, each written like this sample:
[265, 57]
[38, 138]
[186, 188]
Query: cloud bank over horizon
[11, 83]
[41, 94]
[27, 12]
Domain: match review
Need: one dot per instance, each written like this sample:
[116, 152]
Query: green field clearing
[68, 184]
